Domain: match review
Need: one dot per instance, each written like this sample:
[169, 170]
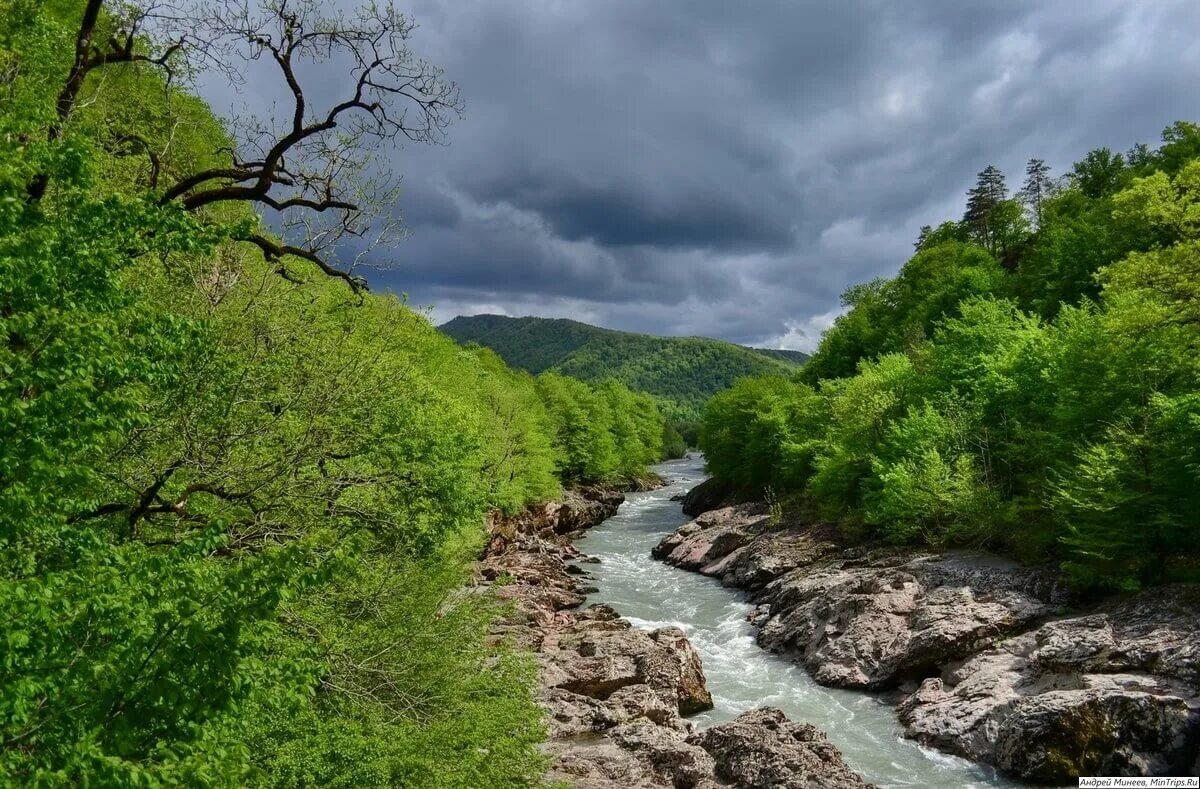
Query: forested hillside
[1028, 381]
[240, 494]
[681, 372]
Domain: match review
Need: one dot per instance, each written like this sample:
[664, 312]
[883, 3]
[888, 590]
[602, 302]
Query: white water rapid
[740, 674]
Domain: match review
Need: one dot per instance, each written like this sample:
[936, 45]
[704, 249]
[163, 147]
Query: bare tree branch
[121, 47]
[318, 166]
[274, 251]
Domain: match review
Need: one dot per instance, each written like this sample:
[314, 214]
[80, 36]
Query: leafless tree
[314, 166]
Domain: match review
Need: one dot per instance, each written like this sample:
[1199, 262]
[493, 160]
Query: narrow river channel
[740, 675]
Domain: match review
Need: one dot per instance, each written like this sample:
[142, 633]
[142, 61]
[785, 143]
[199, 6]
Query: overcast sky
[727, 169]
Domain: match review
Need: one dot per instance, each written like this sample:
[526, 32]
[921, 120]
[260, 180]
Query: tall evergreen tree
[990, 191]
[1037, 187]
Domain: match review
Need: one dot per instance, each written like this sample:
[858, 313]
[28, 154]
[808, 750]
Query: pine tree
[1038, 186]
[990, 190]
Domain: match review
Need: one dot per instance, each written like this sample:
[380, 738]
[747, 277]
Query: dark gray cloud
[727, 168]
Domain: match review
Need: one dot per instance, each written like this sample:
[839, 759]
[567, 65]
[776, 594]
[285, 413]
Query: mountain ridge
[682, 372]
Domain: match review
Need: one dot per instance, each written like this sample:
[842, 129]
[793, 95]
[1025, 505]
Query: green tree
[989, 192]
[1099, 174]
[762, 432]
[898, 314]
[1045, 404]
[236, 499]
[1038, 188]
[1129, 498]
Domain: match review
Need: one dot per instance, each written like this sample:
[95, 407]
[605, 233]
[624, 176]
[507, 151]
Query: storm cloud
[727, 169]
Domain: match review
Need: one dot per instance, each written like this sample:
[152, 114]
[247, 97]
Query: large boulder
[763, 748]
[635, 754]
[873, 626]
[707, 495]
[583, 508]
[742, 546]
[1114, 692]
[669, 753]
[681, 670]
[711, 537]
[597, 657]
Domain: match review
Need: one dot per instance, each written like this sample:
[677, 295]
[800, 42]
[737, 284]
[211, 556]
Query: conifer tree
[1037, 187]
[990, 191]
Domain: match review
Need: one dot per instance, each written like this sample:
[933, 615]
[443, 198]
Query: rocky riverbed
[616, 696]
[985, 656]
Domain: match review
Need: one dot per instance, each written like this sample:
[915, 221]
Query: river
[741, 675]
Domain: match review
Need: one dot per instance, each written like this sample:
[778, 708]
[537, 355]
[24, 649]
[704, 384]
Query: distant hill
[682, 372]
[794, 357]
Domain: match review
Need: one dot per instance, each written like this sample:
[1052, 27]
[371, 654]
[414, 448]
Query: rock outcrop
[579, 510]
[1113, 692]
[854, 618]
[705, 496]
[1004, 677]
[615, 695]
[763, 749]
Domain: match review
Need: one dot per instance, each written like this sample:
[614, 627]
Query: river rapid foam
[741, 675]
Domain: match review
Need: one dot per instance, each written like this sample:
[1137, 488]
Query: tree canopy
[1026, 382]
[239, 499]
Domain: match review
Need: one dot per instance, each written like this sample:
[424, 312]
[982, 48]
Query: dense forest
[239, 493]
[1028, 381]
[680, 372]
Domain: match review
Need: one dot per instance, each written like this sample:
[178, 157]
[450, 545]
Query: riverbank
[983, 656]
[616, 696]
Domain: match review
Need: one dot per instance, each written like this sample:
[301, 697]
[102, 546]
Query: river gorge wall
[616, 696]
[985, 658]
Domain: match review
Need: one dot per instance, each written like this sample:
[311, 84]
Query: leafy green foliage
[602, 432]
[438, 707]
[237, 511]
[673, 443]
[1035, 393]
[757, 433]
[897, 314]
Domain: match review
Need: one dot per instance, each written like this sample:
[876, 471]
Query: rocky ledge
[1112, 692]
[1005, 676]
[615, 695]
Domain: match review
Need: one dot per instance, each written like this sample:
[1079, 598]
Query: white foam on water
[741, 675]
